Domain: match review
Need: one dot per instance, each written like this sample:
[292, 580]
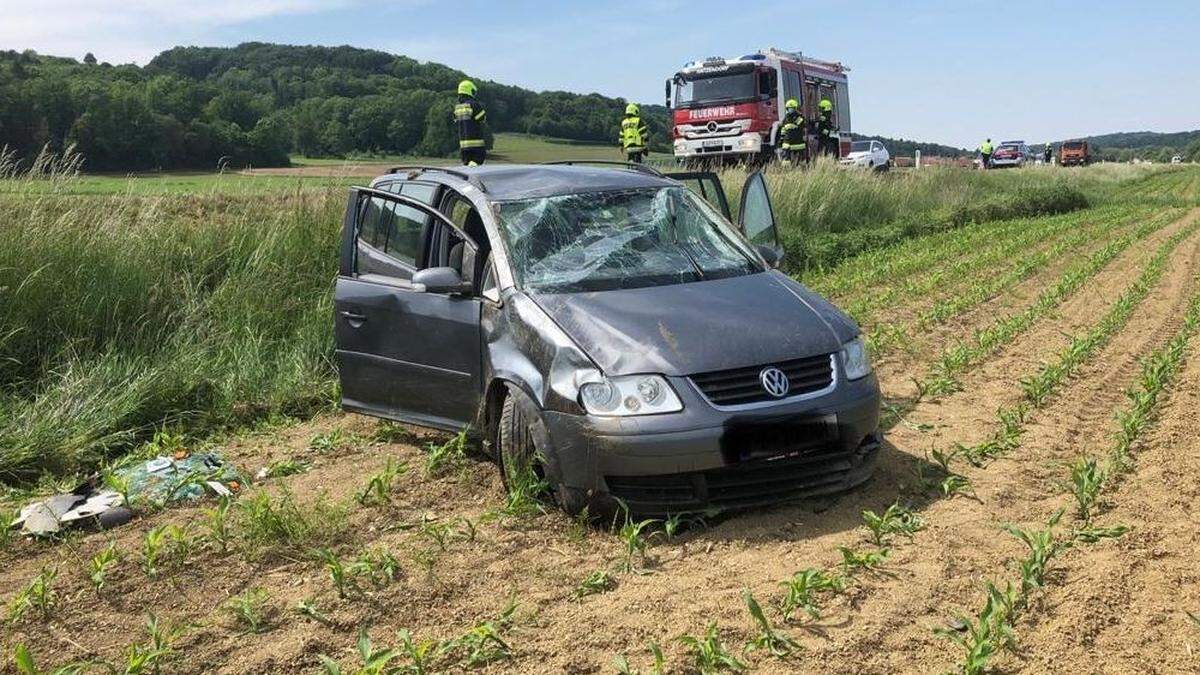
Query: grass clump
[280, 525]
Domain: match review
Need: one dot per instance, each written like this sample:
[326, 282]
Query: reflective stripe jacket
[791, 134]
[825, 123]
[634, 134]
[469, 117]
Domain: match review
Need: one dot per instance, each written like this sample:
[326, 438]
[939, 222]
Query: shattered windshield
[620, 239]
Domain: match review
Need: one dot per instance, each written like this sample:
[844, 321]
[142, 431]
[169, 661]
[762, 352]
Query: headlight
[629, 395]
[856, 358]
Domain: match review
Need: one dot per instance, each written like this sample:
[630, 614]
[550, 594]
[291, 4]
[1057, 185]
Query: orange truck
[1074, 153]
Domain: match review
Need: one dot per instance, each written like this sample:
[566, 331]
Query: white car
[868, 155]
[1177, 159]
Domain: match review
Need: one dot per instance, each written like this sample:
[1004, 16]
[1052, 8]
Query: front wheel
[522, 447]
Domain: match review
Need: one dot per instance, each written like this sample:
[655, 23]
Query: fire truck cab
[730, 109]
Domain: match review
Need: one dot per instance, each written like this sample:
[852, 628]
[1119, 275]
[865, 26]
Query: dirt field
[1120, 604]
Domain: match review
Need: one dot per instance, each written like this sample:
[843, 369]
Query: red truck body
[731, 108]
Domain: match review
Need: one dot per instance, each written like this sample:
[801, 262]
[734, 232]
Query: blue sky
[945, 71]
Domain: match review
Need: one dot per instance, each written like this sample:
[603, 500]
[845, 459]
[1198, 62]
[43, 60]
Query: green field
[202, 301]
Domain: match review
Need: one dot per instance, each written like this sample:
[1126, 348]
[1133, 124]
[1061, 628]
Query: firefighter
[635, 135]
[792, 141]
[826, 142]
[469, 117]
[985, 154]
[1048, 153]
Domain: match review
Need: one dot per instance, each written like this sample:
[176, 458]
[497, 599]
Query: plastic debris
[160, 481]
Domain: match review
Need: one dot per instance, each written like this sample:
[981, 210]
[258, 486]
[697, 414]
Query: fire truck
[730, 109]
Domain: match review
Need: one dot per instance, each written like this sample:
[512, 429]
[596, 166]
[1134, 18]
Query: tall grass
[828, 214]
[121, 313]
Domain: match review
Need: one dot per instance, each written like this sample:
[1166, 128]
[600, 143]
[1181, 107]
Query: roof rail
[609, 162]
[422, 167]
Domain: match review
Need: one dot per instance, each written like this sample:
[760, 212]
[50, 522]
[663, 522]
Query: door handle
[353, 317]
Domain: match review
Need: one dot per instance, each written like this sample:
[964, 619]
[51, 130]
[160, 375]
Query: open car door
[707, 185]
[756, 218]
[406, 324]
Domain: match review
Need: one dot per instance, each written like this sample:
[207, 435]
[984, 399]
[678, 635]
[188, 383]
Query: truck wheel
[522, 446]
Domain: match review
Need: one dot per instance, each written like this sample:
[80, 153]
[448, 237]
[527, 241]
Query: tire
[522, 441]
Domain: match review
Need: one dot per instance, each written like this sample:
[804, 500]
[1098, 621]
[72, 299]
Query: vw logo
[774, 381]
[712, 127]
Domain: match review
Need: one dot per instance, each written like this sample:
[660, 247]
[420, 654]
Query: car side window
[390, 238]
[405, 233]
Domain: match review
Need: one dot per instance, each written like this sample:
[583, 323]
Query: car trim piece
[834, 379]
[418, 366]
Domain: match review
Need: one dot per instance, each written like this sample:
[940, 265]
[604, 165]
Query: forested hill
[1151, 145]
[900, 147]
[194, 107]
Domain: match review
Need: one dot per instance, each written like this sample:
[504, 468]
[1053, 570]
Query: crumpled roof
[506, 182]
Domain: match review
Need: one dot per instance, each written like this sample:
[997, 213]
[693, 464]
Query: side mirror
[771, 255]
[668, 92]
[444, 280]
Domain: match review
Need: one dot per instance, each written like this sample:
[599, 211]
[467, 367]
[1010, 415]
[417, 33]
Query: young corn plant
[990, 631]
[448, 455]
[25, 665]
[802, 590]
[774, 642]
[307, 608]
[895, 520]
[217, 532]
[342, 574]
[598, 581]
[861, 561]
[657, 667]
[379, 486]
[1086, 480]
[635, 542]
[282, 468]
[374, 661]
[39, 595]
[159, 648]
[1043, 546]
[163, 547]
[250, 610]
[708, 654]
[422, 654]
[956, 484]
[484, 644]
[101, 564]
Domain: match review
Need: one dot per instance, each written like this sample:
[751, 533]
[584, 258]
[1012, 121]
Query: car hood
[690, 328]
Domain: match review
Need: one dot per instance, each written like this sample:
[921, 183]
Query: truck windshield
[715, 89]
[621, 239]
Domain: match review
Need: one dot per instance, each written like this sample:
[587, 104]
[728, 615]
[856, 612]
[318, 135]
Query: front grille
[741, 385]
[803, 474]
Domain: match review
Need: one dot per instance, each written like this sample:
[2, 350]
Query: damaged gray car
[609, 328]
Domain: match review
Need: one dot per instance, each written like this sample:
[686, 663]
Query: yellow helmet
[791, 104]
[826, 104]
[467, 88]
[631, 109]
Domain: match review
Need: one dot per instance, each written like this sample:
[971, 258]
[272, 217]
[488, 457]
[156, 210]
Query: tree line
[255, 104]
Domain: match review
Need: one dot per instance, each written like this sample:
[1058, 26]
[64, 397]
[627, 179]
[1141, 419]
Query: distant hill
[195, 107]
[1150, 145]
[899, 147]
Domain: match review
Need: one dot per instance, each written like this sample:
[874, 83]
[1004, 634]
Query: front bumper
[703, 458]
[1008, 161]
[746, 143]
